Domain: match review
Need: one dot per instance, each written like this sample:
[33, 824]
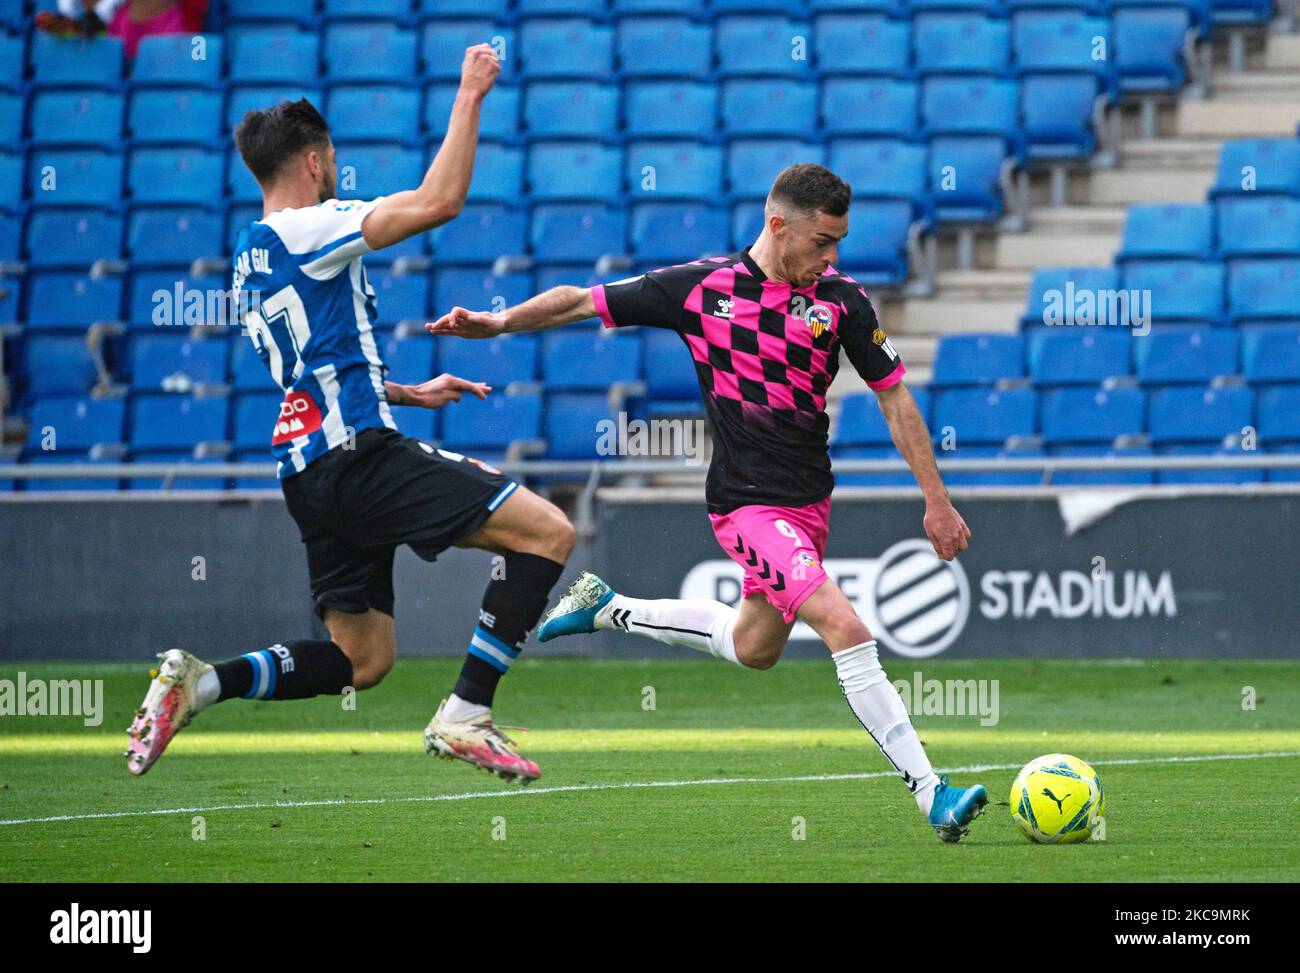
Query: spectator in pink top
[130, 20]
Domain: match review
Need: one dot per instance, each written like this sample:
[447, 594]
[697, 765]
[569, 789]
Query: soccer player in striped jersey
[765, 327]
[357, 487]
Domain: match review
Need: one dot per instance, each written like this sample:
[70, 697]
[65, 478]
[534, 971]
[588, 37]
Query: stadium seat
[498, 119]
[903, 479]
[175, 175]
[1260, 290]
[883, 169]
[566, 48]
[422, 424]
[12, 119]
[160, 421]
[861, 423]
[11, 61]
[10, 236]
[254, 418]
[1259, 226]
[378, 170]
[1185, 353]
[65, 238]
[671, 47]
[666, 109]
[579, 361]
[443, 43]
[1101, 477]
[876, 254]
[953, 105]
[761, 45]
[82, 117]
[374, 51]
[1236, 13]
[493, 424]
[1208, 474]
[152, 299]
[1259, 166]
[73, 462]
[82, 177]
[576, 8]
[174, 116]
[1168, 230]
[747, 223]
[374, 113]
[977, 359]
[500, 362]
[859, 44]
[58, 365]
[575, 170]
[577, 232]
[668, 233]
[1058, 41]
[572, 424]
[571, 109]
[410, 360]
[674, 170]
[65, 62]
[243, 11]
[173, 237]
[993, 478]
[1091, 415]
[180, 60]
[878, 107]
[77, 423]
[477, 288]
[672, 385]
[692, 8]
[972, 166]
[259, 97]
[174, 363]
[752, 164]
[984, 417]
[1078, 355]
[274, 56]
[1279, 413]
[1179, 290]
[399, 297]
[1198, 414]
[248, 373]
[498, 174]
[1147, 47]
[67, 300]
[1270, 353]
[761, 106]
[1056, 116]
[968, 43]
[392, 10]
[482, 229]
[1054, 292]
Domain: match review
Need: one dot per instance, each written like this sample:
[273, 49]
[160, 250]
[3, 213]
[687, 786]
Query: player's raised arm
[549, 309]
[442, 193]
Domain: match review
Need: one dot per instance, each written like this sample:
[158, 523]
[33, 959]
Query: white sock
[880, 710]
[696, 623]
[207, 690]
[458, 710]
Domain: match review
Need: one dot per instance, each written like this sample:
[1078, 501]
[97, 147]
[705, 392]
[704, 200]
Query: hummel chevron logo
[752, 559]
[618, 618]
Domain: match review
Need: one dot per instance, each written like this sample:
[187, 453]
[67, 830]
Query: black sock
[511, 606]
[299, 670]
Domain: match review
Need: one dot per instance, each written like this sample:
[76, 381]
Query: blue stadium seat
[78, 423]
[174, 116]
[83, 117]
[1271, 353]
[1237, 13]
[241, 187]
[861, 423]
[566, 48]
[572, 424]
[577, 8]
[668, 233]
[879, 107]
[410, 360]
[58, 365]
[483, 230]
[64, 238]
[1283, 475]
[248, 373]
[1206, 475]
[175, 363]
[1198, 414]
[11, 61]
[571, 109]
[671, 47]
[161, 421]
[762, 106]
[1259, 166]
[374, 113]
[498, 119]
[81, 177]
[1261, 290]
[399, 297]
[422, 424]
[1180, 290]
[977, 359]
[379, 170]
[577, 232]
[1168, 230]
[11, 180]
[976, 162]
[254, 417]
[984, 417]
[274, 56]
[674, 170]
[747, 221]
[1053, 292]
[1103, 477]
[1058, 41]
[875, 480]
[58, 61]
[152, 299]
[1078, 355]
[761, 44]
[791, 7]
[498, 174]
[477, 288]
[882, 169]
[10, 235]
[970, 106]
[658, 109]
[1259, 226]
[1147, 48]
[1279, 413]
[72, 461]
[672, 384]
[12, 120]
[373, 51]
[1056, 113]
[173, 237]
[443, 43]
[187, 60]
[259, 97]
[993, 478]
[1185, 354]
[175, 175]
[876, 252]
[240, 216]
[499, 362]
[493, 424]
[575, 170]
[752, 164]
[65, 300]
[576, 361]
[692, 8]
[862, 44]
[293, 11]
[969, 43]
[1091, 415]
[11, 291]
[392, 10]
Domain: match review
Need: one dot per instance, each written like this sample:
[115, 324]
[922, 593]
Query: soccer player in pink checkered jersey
[765, 327]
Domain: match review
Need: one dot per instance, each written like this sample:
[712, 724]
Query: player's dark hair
[268, 139]
[809, 187]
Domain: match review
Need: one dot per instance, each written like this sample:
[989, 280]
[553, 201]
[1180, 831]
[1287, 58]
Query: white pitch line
[628, 785]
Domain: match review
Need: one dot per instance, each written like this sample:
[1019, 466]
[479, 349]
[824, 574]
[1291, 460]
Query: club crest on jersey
[878, 336]
[818, 318]
[299, 416]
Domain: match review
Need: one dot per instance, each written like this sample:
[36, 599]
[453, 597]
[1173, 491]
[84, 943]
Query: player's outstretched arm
[943, 525]
[442, 193]
[436, 392]
[549, 309]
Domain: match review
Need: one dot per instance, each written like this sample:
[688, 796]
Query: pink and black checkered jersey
[765, 354]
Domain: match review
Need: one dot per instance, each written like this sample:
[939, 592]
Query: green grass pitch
[308, 791]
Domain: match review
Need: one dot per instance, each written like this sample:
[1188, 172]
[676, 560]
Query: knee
[558, 535]
[370, 672]
[371, 660]
[757, 656]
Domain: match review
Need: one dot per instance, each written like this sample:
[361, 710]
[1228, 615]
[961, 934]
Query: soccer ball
[1057, 800]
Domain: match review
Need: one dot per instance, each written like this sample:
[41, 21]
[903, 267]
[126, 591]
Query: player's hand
[946, 530]
[464, 323]
[437, 392]
[479, 70]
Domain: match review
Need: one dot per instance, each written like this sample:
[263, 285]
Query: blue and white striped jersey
[313, 326]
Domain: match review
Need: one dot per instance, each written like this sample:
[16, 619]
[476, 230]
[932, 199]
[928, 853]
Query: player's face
[810, 244]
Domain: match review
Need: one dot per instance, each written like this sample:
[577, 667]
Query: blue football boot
[575, 614]
[954, 808]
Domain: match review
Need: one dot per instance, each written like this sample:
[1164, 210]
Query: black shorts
[355, 507]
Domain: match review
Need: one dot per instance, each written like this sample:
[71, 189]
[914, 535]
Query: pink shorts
[780, 548]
